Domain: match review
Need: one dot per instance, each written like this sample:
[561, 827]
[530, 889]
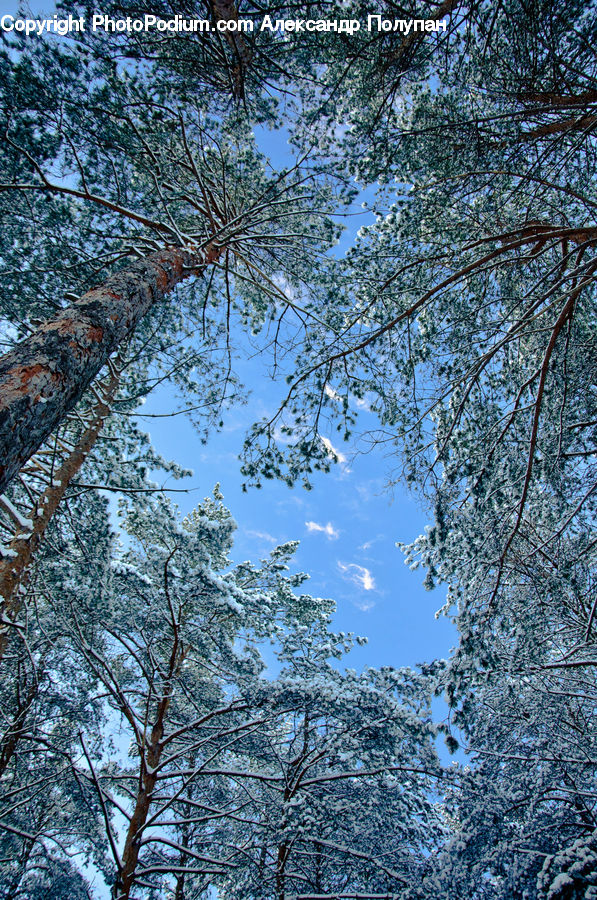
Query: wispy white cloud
[358, 575]
[364, 605]
[332, 450]
[284, 286]
[280, 437]
[368, 544]
[359, 402]
[330, 532]
[262, 536]
[331, 393]
[290, 502]
[372, 487]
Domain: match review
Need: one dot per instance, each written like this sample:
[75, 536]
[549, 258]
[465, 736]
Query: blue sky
[348, 525]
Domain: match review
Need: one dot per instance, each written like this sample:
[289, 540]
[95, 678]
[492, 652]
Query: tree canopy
[462, 317]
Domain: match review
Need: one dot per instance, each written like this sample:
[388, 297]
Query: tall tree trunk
[283, 854]
[125, 878]
[150, 757]
[226, 10]
[179, 892]
[16, 729]
[44, 376]
[14, 567]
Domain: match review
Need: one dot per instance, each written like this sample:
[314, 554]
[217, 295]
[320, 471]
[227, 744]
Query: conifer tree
[204, 774]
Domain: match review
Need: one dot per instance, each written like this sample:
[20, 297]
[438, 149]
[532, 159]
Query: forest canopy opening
[178, 203]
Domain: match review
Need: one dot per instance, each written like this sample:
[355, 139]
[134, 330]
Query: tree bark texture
[14, 569]
[150, 757]
[44, 376]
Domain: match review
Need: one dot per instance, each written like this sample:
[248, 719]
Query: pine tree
[224, 774]
[155, 178]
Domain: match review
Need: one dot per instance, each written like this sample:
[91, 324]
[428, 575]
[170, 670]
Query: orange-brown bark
[14, 568]
[226, 10]
[150, 757]
[44, 376]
